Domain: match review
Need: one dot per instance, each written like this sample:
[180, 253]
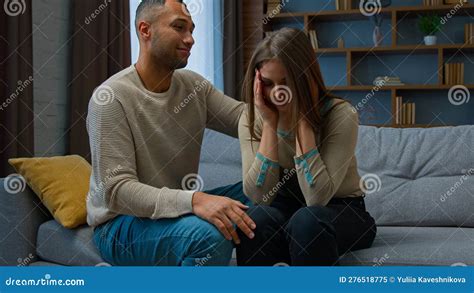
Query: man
[145, 140]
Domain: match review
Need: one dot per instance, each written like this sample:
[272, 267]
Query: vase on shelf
[377, 36]
[430, 40]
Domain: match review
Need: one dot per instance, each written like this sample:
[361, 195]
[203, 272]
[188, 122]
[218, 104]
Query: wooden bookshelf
[394, 15]
[395, 87]
[355, 14]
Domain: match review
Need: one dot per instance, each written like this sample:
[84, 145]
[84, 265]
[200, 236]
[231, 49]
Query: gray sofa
[421, 194]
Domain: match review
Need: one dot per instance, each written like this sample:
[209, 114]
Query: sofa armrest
[21, 214]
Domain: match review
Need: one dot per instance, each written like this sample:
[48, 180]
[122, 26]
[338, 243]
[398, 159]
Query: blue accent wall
[418, 68]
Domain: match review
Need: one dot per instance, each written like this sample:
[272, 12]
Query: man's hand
[223, 212]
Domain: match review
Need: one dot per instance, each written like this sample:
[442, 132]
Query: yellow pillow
[61, 183]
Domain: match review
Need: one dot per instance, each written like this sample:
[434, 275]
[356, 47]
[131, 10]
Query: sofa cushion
[61, 183]
[220, 162]
[420, 177]
[21, 213]
[402, 246]
[73, 247]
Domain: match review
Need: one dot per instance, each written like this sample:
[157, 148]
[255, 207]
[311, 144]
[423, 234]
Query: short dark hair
[146, 6]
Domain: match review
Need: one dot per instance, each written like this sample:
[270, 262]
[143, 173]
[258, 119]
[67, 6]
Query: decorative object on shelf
[387, 81]
[313, 37]
[340, 43]
[343, 4]
[433, 2]
[455, 1]
[454, 73]
[274, 7]
[469, 33]
[429, 25]
[378, 19]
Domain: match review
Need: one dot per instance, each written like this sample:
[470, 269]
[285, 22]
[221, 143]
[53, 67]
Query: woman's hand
[268, 111]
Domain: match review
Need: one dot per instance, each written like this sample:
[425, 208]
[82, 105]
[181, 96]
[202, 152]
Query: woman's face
[275, 90]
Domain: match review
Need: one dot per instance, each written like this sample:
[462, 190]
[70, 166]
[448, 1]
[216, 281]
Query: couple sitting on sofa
[299, 201]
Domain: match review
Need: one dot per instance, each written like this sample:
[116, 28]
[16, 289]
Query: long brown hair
[293, 48]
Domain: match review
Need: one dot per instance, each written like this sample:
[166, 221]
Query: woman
[299, 166]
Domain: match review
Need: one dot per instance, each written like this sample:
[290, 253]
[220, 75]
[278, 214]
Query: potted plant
[429, 25]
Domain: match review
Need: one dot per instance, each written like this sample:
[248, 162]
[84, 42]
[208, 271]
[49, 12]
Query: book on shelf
[387, 81]
[434, 2]
[455, 1]
[343, 4]
[405, 113]
[454, 73]
[469, 33]
[313, 37]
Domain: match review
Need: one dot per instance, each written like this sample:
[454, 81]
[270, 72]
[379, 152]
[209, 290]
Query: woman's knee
[311, 223]
[265, 215]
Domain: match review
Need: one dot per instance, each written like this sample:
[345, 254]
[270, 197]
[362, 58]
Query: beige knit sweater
[144, 144]
[327, 171]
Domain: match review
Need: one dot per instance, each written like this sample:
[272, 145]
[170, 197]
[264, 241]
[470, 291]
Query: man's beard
[172, 63]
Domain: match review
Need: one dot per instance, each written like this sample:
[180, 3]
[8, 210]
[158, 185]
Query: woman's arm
[261, 170]
[321, 171]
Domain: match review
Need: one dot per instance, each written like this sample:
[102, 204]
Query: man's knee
[210, 246]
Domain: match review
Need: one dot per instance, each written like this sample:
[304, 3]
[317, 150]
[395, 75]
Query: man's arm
[223, 112]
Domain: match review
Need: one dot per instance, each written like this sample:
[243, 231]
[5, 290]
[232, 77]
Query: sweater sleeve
[114, 180]
[260, 174]
[321, 171]
[223, 112]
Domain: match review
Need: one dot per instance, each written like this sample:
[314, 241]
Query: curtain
[233, 49]
[100, 48]
[16, 83]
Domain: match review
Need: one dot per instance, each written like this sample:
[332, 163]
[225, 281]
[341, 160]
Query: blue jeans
[184, 241]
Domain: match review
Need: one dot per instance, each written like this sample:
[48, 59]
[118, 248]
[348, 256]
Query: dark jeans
[288, 231]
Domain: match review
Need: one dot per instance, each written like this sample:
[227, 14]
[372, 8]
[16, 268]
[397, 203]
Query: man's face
[171, 35]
